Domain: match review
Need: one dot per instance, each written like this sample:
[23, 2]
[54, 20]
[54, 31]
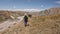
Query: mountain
[27, 10]
[50, 11]
[5, 14]
[47, 24]
[36, 25]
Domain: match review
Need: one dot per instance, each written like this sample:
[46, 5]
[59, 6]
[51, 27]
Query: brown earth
[5, 14]
[49, 24]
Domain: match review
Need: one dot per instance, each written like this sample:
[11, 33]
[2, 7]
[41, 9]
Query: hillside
[50, 11]
[47, 23]
[5, 14]
[37, 25]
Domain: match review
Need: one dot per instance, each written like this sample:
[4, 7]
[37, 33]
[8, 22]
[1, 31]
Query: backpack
[25, 18]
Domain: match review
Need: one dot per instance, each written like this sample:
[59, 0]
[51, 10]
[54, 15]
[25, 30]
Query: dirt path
[8, 23]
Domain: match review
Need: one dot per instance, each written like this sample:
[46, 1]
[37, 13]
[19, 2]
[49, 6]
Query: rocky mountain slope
[49, 24]
[37, 25]
[50, 11]
[5, 14]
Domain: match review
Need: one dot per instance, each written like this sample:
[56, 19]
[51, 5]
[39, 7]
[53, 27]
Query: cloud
[58, 2]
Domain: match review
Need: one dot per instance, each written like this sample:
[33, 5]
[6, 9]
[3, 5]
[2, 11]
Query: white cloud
[57, 2]
[27, 10]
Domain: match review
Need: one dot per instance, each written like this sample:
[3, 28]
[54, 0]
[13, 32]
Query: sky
[29, 4]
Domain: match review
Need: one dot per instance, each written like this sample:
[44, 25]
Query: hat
[25, 14]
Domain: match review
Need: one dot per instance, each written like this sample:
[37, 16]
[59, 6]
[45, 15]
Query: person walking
[25, 20]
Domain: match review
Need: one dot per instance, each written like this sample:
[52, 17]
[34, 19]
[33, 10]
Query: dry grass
[37, 25]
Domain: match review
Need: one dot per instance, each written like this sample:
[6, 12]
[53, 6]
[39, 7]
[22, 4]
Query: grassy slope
[37, 25]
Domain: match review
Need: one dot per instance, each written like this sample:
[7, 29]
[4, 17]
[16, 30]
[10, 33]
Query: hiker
[30, 15]
[25, 20]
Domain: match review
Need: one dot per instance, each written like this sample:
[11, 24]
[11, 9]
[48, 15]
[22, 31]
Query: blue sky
[29, 4]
